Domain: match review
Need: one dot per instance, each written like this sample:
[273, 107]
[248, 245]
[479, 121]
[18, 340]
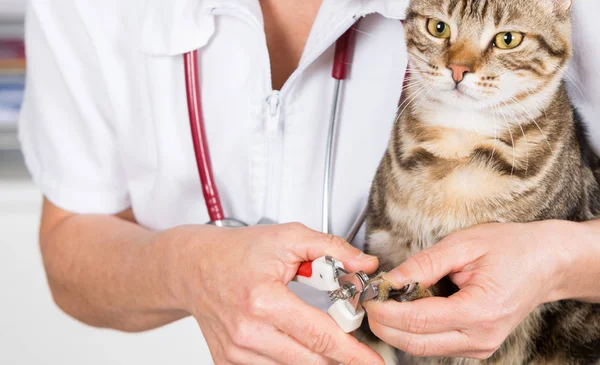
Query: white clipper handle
[344, 316]
[320, 275]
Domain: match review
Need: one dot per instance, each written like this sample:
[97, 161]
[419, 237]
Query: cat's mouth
[461, 93]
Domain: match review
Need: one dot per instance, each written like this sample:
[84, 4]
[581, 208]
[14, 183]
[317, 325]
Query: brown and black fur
[435, 180]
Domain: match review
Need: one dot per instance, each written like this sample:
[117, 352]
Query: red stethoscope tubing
[194, 101]
[203, 161]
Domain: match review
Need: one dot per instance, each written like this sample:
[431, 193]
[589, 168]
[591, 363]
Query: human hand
[233, 281]
[504, 271]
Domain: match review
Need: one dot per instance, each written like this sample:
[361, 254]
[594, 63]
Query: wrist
[182, 264]
[170, 246]
[574, 256]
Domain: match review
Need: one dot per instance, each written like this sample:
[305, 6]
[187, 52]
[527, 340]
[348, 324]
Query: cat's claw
[411, 291]
[402, 295]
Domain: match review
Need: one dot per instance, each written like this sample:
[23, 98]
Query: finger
[317, 331]
[217, 353]
[424, 316]
[288, 350]
[447, 344]
[239, 356]
[311, 245]
[431, 265]
[224, 351]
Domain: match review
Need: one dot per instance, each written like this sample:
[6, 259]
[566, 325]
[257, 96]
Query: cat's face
[484, 54]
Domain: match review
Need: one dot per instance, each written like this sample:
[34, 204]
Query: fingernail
[395, 278]
[364, 257]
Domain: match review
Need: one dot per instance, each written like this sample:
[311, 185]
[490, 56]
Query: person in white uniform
[105, 134]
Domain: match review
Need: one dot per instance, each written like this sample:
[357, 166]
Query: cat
[486, 133]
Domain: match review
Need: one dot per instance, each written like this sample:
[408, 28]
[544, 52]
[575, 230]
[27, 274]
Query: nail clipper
[347, 290]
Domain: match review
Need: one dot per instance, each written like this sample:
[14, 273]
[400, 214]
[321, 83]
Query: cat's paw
[408, 293]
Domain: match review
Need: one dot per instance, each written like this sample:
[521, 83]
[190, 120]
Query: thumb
[431, 265]
[338, 248]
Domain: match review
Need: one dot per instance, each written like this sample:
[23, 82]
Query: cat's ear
[563, 5]
[560, 6]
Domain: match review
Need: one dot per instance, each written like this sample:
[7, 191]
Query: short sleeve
[65, 126]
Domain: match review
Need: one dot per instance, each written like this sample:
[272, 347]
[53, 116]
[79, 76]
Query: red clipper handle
[305, 269]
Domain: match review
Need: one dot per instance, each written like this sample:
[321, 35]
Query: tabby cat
[487, 133]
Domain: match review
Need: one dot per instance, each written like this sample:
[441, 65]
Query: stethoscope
[201, 151]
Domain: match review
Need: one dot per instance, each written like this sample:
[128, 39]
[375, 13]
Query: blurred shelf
[12, 67]
[11, 26]
[12, 167]
[12, 83]
[12, 10]
[12, 17]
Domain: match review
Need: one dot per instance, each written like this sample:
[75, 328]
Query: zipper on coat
[274, 155]
[271, 123]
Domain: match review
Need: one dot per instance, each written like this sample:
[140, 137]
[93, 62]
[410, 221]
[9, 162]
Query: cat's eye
[508, 40]
[438, 28]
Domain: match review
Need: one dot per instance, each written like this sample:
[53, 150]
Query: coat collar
[175, 27]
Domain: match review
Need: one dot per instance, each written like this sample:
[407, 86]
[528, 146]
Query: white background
[32, 329]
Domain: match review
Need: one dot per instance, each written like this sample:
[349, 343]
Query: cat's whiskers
[423, 97]
[416, 76]
[540, 105]
[430, 67]
[412, 79]
[485, 89]
[413, 84]
[526, 147]
[564, 71]
[423, 78]
[495, 136]
[406, 100]
[419, 58]
[531, 91]
[501, 74]
[410, 100]
[514, 153]
[532, 119]
[417, 71]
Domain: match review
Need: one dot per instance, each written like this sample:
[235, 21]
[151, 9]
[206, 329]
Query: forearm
[108, 272]
[580, 280]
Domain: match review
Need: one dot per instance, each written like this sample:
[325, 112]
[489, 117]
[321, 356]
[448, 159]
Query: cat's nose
[459, 71]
